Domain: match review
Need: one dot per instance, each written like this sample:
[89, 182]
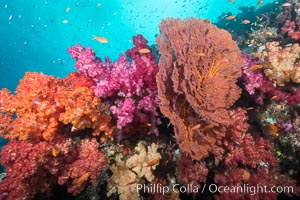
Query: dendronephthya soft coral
[129, 86]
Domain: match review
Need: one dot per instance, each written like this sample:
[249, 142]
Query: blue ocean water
[36, 34]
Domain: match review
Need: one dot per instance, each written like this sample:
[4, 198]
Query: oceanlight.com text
[250, 189]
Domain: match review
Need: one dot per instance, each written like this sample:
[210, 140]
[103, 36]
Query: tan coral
[144, 162]
[128, 173]
[281, 64]
[124, 181]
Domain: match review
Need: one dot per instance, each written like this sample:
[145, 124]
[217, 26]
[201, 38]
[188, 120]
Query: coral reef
[289, 28]
[289, 21]
[229, 118]
[34, 106]
[251, 76]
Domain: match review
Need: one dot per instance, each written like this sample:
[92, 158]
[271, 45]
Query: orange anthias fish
[206, 21]
[83, 178]
[286, 5]
[144, 50]
[254, 67]
[100, 39]
[245, 21]
[271, 128]
[259, 2]
[246, 175]
[231, 17]
[55, 153]
[207, 127]
[153, 162]
[79, 90]
[196, 127]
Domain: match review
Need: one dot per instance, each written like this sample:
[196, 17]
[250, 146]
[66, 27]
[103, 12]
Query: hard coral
[198, 70]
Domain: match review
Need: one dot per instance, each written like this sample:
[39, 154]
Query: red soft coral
[33, 167]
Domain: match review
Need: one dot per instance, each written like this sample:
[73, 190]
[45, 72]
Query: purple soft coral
[253, 79]
[129, 86]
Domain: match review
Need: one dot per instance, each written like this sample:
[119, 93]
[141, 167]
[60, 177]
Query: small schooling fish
[55, 153]
[144, 50]
[245, 21]
[64, 21]
[206, 21]
[259, 2]
[231, 17]
[286, 5]
[100, 39]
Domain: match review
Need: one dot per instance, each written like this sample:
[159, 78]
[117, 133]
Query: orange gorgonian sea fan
[198, 70]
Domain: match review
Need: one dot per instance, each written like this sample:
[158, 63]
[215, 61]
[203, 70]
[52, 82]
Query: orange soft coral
[42, 104]
[198, 70]
[84, 110]
[36, 112]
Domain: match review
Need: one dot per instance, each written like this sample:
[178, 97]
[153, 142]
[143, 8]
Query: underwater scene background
[134, 99]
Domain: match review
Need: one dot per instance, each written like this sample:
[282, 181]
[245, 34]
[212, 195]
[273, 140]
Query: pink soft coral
[252, 78]
[129, 86]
